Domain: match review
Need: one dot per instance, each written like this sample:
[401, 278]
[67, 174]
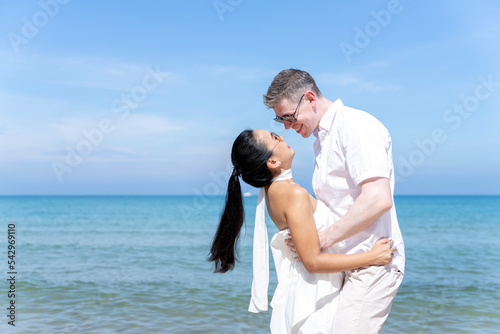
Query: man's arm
[374, 200]
[300, 219]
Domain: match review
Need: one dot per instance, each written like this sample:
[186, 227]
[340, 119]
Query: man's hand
[291, 246]
[374, 200]
[327, 238]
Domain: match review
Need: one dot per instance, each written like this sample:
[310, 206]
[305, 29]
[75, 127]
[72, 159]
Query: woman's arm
[300, 218]
[375, 199]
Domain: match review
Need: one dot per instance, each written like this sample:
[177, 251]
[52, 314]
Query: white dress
[303, 302]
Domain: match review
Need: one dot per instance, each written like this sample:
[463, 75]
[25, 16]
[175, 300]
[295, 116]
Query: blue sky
[146, 97]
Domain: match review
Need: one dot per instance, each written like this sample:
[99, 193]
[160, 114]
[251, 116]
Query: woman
[306, 296]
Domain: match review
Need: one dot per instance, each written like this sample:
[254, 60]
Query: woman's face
[281, 151]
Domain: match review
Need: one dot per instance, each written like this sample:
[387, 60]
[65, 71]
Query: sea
[137, 264]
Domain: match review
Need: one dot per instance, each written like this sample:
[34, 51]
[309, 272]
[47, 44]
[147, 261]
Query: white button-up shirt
[352, 146]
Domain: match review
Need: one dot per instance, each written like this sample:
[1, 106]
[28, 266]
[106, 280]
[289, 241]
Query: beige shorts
[366, 299]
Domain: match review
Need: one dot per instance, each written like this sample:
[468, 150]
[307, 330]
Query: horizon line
[218, 195]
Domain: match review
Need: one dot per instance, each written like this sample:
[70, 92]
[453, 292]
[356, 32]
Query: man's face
[304, 114]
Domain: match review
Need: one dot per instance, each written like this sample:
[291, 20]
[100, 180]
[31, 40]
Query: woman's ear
[273, 163]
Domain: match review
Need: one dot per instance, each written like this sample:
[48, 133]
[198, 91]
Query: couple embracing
[339, 256]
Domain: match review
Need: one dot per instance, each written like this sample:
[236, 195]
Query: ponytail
[249, 160]
[224, 245]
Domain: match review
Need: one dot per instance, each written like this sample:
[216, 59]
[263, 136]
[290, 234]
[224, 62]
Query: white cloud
[137, 137]
[24, 145]
[79, 71]
[108, 73]
[70, 129]
[138, 126]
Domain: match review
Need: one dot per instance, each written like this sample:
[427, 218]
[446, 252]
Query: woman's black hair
[249, 159]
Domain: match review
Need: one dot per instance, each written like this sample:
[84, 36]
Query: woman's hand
[382, 252]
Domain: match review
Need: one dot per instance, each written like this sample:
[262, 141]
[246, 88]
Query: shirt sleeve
[367, 144]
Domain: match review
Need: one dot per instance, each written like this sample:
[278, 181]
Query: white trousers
[366, 299]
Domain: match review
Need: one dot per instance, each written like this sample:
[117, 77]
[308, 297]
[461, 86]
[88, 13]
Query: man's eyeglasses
[289, 118]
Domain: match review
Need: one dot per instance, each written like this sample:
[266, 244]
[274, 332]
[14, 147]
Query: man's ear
[273, 163]
[310, 98]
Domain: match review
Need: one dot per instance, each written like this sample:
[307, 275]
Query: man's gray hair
[289, 84]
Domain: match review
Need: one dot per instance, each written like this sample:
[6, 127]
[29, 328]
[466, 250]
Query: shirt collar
[326, 120]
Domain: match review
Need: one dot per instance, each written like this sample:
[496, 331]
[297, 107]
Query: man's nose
[288, 125]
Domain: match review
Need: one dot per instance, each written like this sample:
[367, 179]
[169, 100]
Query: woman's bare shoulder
[289, 192]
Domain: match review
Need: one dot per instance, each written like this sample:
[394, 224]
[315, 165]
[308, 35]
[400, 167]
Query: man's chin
[304, 134]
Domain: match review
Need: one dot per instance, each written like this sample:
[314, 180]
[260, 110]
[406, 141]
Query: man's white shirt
[352, 146]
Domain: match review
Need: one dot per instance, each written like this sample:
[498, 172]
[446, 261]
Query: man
[354, 176]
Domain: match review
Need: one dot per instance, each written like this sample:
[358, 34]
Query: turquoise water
[136, 264]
